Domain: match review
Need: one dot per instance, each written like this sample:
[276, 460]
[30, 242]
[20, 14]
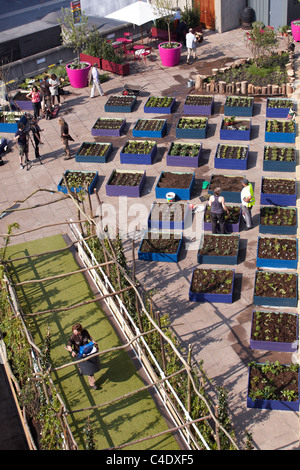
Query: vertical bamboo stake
[163, 357]
[92, 228]
[189, 361]
[117, 267]
[101, 227]
[134, 279]
[217, 428]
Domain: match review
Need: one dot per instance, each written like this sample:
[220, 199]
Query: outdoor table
[124, 41]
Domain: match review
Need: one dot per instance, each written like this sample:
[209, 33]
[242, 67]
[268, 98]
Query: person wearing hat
[96, 81]
[248, 201]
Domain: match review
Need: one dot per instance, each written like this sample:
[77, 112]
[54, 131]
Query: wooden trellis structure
[183, 424]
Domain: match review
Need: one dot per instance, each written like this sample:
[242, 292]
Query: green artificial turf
[126, 420]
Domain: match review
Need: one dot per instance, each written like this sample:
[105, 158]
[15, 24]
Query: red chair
[147, 53]
[129, 52]
[128, 36]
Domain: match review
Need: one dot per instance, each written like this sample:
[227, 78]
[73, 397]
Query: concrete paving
[218, 333]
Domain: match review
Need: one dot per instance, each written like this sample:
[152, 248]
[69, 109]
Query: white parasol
[138, 13]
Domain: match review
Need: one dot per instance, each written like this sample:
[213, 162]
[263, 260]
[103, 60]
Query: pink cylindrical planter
[169, 56]
[78, 77]
[296, 29]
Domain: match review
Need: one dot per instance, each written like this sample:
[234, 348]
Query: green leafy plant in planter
[74, 34]
[262, 41]
[98, 46]
[165, 9]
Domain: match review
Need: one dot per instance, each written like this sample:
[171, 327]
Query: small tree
[165, 10]
[261, 41]
[73, 34]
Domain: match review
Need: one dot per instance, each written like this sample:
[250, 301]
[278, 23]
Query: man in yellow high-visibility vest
[248, 201]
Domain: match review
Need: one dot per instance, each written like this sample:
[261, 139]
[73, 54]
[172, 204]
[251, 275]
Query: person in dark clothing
[21, 137]
[65, 137]
[81, 337]
[36, 130]
[181, 31]
[218, 209]
[46, 95]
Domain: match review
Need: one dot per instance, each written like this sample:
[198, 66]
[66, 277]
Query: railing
[139, 345]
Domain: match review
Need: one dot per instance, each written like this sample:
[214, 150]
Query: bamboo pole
[58, 276]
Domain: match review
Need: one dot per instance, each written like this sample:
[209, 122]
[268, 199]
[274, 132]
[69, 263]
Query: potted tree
[74, 35]
[169, 51]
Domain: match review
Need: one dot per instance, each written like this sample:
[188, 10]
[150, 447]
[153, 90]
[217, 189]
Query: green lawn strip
[129, 418]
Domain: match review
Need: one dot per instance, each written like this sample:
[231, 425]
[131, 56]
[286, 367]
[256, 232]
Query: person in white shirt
[191, 45]
[96, 81]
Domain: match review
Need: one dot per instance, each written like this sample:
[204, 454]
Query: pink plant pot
[169, 57]
[296, 30]
[78, 77]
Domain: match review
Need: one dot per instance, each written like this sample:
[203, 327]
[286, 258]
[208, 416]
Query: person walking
[96, 81]
[248, 201]
[217, 210]
[191, 41]
[35, 97]
[21, 137]
[36, 131]
[45, 89]
[65, 137]
[81, 337]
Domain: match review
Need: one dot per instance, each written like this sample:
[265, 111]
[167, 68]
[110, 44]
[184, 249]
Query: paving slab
[218, 333]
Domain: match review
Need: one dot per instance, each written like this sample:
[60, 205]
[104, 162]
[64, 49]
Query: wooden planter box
[119, 69]
[245, 111]
[181, 193]
[91, 59]
[159, 109]
[279, 165]
[276, 263]
[230, 196]
[280, 405]
[164, 256]
[118, 108]
[276, 301]
[184, 160]
[169, 210]
[278, 112]
[148, 133]
[199, 110]
[191, 133]
[211, 297]
[123, 189]
[228, 134]
[278, 199]
[229, 227]
[108, 132]
[278, 229]
[280, 137]
[63, 189]
[231, 163]
[278, 346]
[218, 259]
[93, 158]
[138, 158]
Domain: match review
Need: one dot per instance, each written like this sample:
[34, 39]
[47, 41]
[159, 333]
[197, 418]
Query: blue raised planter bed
[278, 346]
[276, 301]
[198, 109]
[229, 227]
[122, 189]
[148, 133]
[63, 189]
[275, 262]
[136, 158]
[279, 165]
[108, 132]
[11, 128]
[230, 196]
[191, 133]
[245, 111]
[161, 214]
[218, 259]
[280, 137]
[278, 199]
[180, 193]
[272, 112]
[159, 109]
[117, 108]
[24, 105]
[211, 297]
[183, 160]
[93, 158]
[278, 228]
[164, 256]
[280, 405]
[232, 134]
[231, 163]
